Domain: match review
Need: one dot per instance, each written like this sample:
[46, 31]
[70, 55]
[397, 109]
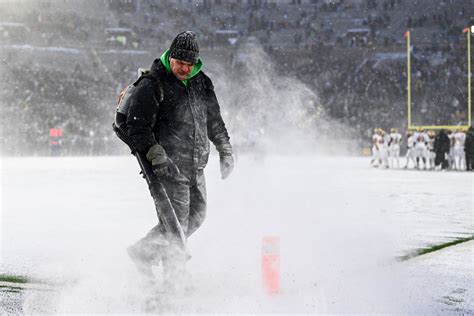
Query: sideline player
[394, 147]
[410, 155]
[451, 150]
[430, 153]
[375, 149]
[421, 140]
[383, 148]
[459, 139]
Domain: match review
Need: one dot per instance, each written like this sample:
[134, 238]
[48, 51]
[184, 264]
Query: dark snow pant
[189, 203]
[441, 159]
[469, 161]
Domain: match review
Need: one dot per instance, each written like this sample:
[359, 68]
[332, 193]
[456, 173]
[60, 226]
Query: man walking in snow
[172, 116]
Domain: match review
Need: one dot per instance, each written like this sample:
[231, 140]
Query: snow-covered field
[342, 225]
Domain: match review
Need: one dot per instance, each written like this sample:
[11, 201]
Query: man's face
[180, 68]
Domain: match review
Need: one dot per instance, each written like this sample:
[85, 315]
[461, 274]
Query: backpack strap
[158, 84]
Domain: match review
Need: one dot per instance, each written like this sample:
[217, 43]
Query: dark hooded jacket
[441, 142]
[180, 116]
[469, 143]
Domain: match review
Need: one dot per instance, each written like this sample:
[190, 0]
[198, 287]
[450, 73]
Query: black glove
[226, 159]
[227, 165]
[166, 169]
[161, 164]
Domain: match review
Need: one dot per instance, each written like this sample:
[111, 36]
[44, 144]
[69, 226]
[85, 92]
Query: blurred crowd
[373, 90]
[38, 98]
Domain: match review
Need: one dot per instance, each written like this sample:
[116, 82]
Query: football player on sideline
[395, 138]
[375, 149]
[459, 139]
[410, 155]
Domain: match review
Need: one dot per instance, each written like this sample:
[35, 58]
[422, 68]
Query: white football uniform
[394, 148]
[384, 151]
[459, 139]
[430, 154]
[451, 151]
[376, 149]
[421, 139]
[410, 151]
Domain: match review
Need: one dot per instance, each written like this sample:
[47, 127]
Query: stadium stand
[351, 53]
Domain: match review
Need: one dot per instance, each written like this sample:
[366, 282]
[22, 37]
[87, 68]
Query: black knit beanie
[185, 47]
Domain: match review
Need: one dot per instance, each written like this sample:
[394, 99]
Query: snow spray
[270, 112]
[271, 264]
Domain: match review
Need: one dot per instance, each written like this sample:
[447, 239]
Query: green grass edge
[18, 279]
[433, 248]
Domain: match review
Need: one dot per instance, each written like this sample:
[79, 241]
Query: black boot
[176, 278]
[147, 252]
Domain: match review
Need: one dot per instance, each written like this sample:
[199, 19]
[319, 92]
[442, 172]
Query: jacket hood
[165, 60]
